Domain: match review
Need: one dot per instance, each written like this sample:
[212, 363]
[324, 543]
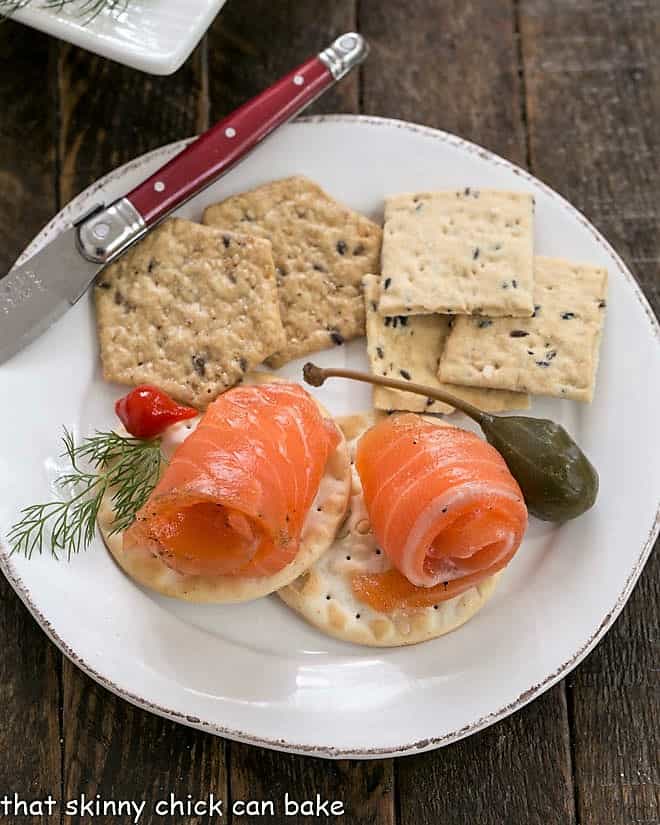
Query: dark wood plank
[110, 114]
[365, 787]
[452, 65]
[122, 753]
[253, 43]
[615, 714]
[27, 138]
[29, 663]
[516, 772]
[592, 72]
[457, 68]
[250, 46]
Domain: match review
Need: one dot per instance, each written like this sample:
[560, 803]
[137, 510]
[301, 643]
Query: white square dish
[154, 36]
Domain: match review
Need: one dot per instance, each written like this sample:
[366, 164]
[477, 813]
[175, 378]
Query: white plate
[256, 672]
[155, 36]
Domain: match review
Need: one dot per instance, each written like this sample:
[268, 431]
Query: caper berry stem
[556, 478]
[316, 376]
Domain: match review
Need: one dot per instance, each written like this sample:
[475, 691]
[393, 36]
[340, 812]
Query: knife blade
[35, 294]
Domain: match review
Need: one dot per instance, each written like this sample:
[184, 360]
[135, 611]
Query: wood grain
[122, 753]
[111, 114]
[515, 772]
[452, 65]
[592, 73]
[29, 663]
[28, 132]
[365, 787]
[253, 43]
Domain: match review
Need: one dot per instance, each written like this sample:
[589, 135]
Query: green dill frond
[127, 467]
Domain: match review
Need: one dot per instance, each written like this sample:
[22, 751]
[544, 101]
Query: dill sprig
[128, 467]
[88, 9]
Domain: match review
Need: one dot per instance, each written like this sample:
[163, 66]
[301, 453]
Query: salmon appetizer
[249, 499]
[434, 516]
[443, 506]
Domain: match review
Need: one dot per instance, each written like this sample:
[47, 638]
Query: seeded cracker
[321, 251]
[553, 353]
[467, 252]
[409, 348]
[190, 309]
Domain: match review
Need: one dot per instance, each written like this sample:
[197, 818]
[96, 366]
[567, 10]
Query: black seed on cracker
[405, 374]
[374, 306]
[537, 311]
[319, 268]
[567, 316]
[602, 303]
[387, 283]
[518, 333]
[403, 320]
[482, 323]
[226, 240]
[199, 364]
[105, 285]
[151, 265]
[341, 247]
[542, 363]
[380, 352]
[243, 364]
[337, 337]
[388, 320]
[475, 254]
[514, 283]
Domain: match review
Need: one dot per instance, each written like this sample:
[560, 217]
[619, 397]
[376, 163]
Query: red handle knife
[34, 295]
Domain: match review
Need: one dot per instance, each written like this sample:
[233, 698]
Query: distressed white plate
[256, 672]
[155, 36]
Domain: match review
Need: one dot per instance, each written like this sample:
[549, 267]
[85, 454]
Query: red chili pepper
[147, 411]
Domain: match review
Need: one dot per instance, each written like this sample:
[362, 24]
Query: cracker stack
[189, 309]
[524, 324]
[321, 250]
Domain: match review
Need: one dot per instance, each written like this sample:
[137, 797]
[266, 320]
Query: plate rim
[430, 743]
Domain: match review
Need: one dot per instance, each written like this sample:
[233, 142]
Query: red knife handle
[229, 141]
[106, 231]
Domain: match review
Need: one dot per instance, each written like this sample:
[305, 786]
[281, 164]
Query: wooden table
[571, 90]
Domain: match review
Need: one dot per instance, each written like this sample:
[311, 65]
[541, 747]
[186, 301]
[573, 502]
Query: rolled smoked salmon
[444, 507]
[236, 492]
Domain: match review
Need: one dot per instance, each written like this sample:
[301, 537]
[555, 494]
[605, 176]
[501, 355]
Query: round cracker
[319, 530]
[324, 597]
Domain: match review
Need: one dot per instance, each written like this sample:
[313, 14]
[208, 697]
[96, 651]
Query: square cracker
[321, 251]
[467, 252]
[409, 348]
[190, 309]
[553, 353]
